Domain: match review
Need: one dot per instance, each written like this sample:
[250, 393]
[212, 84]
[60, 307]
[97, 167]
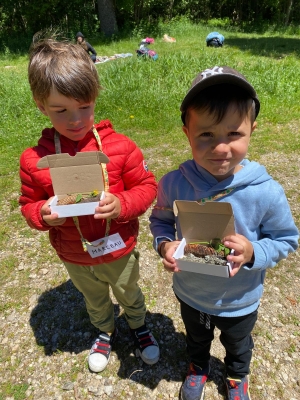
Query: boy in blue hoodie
[218, 115]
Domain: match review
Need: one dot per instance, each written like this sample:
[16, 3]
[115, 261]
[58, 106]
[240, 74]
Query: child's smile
[219, 147]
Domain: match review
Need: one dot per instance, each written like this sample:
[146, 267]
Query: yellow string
[105, 177]
[106, 187]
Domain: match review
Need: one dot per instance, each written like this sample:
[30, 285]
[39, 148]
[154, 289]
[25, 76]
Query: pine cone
[69, 199]
[199, 250]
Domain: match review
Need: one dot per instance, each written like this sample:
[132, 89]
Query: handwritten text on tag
[105, 245]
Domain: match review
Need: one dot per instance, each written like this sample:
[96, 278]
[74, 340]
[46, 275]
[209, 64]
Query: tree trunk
[107, 17]
[171, 5]
[288, 14]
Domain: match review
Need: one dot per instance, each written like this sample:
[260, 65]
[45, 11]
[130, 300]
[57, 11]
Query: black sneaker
[147, 347]
[194, 384]
[100, 351]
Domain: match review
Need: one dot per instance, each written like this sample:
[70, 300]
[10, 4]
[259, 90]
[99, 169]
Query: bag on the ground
[143, 51]
[215, 39]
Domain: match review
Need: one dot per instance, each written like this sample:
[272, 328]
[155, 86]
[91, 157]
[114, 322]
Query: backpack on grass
[215, 39]
[143, 51]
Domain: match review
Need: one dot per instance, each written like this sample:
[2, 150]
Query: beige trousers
[122, 276]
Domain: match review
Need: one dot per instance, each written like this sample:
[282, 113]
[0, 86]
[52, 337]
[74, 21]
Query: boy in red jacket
[65, 85]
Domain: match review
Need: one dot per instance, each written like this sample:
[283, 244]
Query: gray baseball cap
[216, 76]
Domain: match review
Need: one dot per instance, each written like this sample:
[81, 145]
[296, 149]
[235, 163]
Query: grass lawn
[142, 99]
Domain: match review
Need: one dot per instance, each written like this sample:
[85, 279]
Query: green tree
[29, 16]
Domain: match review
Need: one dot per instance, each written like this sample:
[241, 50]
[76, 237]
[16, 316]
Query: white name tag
[105, 245]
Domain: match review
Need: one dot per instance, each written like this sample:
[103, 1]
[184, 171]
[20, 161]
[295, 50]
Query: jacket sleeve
[139, 185]
[32, 198]
[162, 219]
[279, 234]
[91, 49]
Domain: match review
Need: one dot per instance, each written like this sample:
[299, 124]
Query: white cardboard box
[81, 173]
[203, 222]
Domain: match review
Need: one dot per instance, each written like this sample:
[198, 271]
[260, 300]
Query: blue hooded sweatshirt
[262, 214]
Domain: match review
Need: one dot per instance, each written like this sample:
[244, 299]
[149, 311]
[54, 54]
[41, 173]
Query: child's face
[71, 118]
[219, 147]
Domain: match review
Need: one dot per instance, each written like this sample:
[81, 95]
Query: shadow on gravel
[61, 323]
[217, 374]
[173, 361]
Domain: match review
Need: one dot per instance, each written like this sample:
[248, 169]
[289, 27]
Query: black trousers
[235, 337]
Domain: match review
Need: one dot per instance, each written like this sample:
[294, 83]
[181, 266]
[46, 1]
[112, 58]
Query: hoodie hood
[206, 185]
[79, 34]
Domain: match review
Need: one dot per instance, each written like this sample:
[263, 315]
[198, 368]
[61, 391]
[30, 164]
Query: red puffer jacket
[129, 180]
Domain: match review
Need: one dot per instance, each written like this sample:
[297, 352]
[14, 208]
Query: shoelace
[99, 349]
[145, 339]
[100, 346]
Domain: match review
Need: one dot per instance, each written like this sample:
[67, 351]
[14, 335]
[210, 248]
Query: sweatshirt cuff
[160, 239]
[260, 259]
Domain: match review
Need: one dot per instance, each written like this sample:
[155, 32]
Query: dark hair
[64, 66]
[218, 98]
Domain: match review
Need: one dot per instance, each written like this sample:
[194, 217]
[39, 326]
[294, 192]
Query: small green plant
[78, 198]
[269, 336]
[7, 266]
[17, 391]
[81, 196]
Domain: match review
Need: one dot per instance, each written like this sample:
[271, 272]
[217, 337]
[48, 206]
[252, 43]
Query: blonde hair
[64, 66]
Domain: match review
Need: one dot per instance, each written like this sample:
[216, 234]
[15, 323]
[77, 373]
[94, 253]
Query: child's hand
[109, 207]
[243, 251]
[51, 219]
[167, 250]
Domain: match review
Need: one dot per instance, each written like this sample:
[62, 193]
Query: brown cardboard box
[203, 222]
[72, 175]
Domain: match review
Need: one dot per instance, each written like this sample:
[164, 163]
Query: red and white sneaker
[100, 351]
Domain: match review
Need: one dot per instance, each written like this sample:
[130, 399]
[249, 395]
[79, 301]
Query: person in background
[87, 47]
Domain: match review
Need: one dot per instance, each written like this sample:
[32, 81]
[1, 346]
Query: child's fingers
[45, 210]
[53, 220]
[235, 269]
[170, 267]
[109, 207]
[233, 242]
[237, 259]
[242, 247]
[107, 211]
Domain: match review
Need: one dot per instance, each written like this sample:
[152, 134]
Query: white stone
[108, 390]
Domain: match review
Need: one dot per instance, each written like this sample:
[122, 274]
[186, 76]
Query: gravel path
[46, 334]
